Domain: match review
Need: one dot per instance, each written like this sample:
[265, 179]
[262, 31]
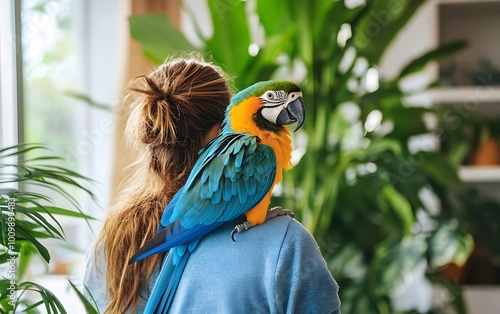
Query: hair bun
[179, 103]
[160, 112]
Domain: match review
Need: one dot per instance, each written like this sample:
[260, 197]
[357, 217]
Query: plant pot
[487, 153]
[453, 273]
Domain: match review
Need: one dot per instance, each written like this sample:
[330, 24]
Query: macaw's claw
[240, 228]
[279, 211]
[271, 213]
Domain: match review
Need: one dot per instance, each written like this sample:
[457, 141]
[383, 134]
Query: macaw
[234, 175]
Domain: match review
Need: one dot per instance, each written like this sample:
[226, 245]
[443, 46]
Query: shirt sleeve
[303, 283]
[95, 279]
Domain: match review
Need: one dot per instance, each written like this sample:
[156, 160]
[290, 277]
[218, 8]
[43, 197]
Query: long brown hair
[176, 106]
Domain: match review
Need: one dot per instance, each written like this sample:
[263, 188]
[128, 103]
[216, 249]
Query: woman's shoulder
[274, 231]
[281, 225]
[290, 230]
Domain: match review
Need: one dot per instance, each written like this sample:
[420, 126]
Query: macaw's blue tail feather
[172, 236]
[166, 285]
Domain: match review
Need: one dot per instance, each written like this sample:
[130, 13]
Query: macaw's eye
[270, 96]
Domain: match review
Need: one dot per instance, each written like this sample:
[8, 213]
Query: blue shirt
[275, 267]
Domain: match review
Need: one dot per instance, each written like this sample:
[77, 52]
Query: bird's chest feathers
[242, 121]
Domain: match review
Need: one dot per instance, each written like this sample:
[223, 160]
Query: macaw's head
[265, 106]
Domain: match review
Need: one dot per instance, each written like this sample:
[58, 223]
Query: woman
[276, 268]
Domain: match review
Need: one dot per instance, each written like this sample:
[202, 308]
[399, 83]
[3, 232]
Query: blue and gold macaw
[234, 175]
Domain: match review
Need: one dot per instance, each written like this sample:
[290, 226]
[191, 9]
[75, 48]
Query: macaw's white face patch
[275, 102]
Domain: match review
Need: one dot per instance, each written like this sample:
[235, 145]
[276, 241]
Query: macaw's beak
[293, 111]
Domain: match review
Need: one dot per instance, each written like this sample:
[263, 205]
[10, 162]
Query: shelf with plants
[477, 67]
[473, 127]
[475, 145]
[470, 99]
[471, 84]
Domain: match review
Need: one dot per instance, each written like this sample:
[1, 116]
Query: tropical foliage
[377, 206]
[28, 218]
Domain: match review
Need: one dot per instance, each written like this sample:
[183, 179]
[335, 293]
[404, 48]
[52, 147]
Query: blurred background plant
[377, 181]
[29, 218]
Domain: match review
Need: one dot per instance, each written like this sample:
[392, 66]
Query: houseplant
[29, 217]
[359, 187]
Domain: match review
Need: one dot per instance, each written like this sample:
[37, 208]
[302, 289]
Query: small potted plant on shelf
[487, 151]
[487, 74]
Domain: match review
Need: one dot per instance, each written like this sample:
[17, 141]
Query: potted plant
[487, 151]
[28, 218]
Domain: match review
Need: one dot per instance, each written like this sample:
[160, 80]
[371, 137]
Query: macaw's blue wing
[231, 176]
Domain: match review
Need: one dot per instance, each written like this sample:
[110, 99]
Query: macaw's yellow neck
[242, 121]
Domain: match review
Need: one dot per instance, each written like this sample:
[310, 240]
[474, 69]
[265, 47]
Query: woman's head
[178, 104]
[174, 109]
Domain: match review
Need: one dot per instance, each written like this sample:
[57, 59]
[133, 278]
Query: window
[50, 70]
[10, 67]
[66, 46]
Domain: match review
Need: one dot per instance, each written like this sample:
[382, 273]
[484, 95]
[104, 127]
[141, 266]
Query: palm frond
[33, 166]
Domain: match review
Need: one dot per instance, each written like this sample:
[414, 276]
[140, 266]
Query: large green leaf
[328, 21]
[231, 38]
[49, 299]
[395, 263]
[91, 102]
[90, 307]
[26, 251]
[449, 245]
[158, 37]
[61, 211]
[26, 235]
[41, 221]
[262, 66]
[363, 299]
[407, 122]
[440, 169]
[433, 55]
[377, 147]
[275, 16]
[401, 207]
[381, 24]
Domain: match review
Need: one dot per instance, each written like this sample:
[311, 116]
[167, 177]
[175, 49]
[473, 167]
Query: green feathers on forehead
[261, 87]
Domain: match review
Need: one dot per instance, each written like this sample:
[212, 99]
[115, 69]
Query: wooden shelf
[466, 94]
[480, 173]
